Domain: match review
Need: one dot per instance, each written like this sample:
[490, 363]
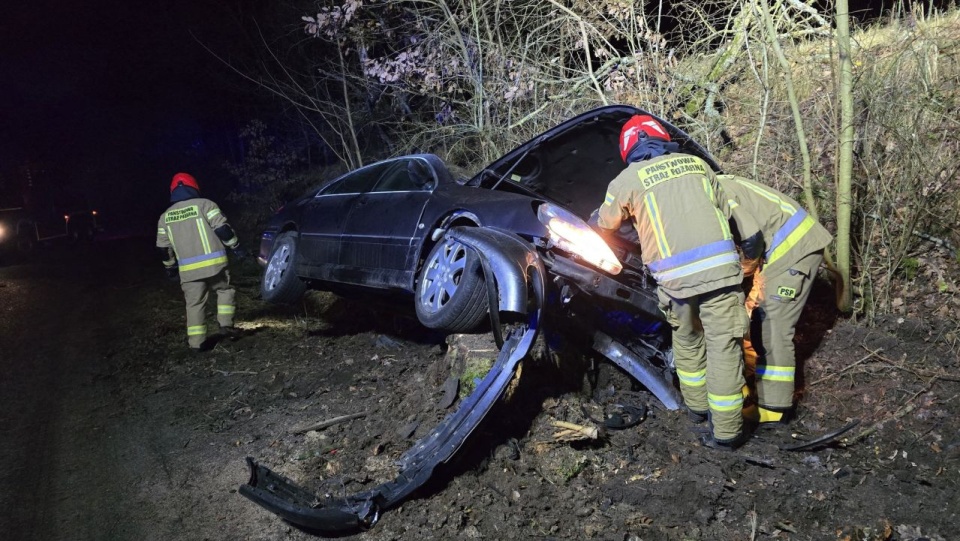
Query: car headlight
[571, 234]
[3, 232]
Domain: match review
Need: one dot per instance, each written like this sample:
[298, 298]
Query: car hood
[572, 163]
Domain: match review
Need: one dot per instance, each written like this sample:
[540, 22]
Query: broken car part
[349, 514]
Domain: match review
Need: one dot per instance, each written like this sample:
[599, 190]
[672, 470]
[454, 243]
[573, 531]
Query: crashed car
[511, 245]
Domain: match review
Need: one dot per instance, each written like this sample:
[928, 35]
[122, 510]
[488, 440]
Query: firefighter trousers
[708, 332]
[196, 293]
[778, 301]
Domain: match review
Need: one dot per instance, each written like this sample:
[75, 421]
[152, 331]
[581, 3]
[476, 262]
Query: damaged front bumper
[514, 272]
[329, 515]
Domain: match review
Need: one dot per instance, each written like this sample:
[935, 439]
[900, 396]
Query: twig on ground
[328, 423]
[907, 408]
[861, 361]
[228, 373]
[574, 431]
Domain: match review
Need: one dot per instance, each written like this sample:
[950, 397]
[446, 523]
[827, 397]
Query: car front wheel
[451, 291]
[280, 284]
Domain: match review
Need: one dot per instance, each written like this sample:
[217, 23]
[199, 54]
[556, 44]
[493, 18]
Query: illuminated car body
[374, 227]
[510, 244]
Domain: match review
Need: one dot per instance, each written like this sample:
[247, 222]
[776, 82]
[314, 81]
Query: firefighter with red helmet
[681, 215]
[194, 236]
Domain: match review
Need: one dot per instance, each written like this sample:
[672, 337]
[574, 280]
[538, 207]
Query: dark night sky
[114, 96]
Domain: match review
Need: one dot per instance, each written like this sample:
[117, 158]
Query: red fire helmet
[630, 133]
[184, 179]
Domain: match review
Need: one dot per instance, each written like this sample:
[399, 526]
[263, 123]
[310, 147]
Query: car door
[323, 218]
[383, 228]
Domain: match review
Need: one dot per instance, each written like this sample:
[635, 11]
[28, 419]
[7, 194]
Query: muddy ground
[111, 429]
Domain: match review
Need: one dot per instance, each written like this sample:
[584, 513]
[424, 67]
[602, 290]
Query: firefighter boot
[230, 332]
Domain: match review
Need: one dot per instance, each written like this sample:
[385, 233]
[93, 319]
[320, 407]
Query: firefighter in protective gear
[680, 214]
[193, 236]
[785, 246]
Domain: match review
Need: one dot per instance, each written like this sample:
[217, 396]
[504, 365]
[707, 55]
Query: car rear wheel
[451, 292]
[280, 284]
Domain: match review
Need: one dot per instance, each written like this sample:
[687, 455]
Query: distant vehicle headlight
[571, 234]
[3, 232]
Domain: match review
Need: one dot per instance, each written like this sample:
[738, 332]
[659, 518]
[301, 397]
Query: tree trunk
[845, 155]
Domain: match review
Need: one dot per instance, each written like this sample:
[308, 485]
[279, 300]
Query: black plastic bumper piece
[299, 506]
[351, 514]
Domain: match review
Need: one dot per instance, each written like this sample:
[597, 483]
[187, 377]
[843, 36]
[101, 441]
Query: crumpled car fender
[511, 260]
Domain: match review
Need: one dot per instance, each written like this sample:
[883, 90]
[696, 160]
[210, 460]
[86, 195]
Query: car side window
[406, 176]
[361, 181]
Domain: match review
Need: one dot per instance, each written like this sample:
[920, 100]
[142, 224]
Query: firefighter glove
[173, 273]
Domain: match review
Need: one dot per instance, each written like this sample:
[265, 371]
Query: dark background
[102, 102]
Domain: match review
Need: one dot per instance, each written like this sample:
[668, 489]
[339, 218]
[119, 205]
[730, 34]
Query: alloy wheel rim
[442, 275]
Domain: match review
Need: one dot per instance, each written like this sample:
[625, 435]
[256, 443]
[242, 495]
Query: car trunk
[572, 163]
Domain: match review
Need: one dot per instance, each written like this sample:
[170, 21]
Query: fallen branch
[328, 423]
[228, 373]
[575, 432]
[861, 361]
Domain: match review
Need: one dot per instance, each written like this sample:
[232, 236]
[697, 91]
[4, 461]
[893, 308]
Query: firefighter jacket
[789, 232]
[186, 231]
[681, 216]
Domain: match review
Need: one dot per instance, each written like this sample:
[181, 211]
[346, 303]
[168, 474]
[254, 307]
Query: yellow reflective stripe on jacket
[709, 189]
[766, 194]
[161, 231]
[725, 402]
[609, 199]
[196, 330]
[172, 243]
[225, 309]
[215, 259]
[658, 231]
[212, 213]
[203, 236]
[788, 235]
[708, 256]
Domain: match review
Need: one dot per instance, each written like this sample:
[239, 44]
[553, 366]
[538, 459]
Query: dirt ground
[111, 429]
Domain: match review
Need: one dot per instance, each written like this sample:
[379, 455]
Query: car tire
[280, 283]
[451, 291]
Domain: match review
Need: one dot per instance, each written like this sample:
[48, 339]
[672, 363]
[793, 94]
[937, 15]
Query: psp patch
[786, 292]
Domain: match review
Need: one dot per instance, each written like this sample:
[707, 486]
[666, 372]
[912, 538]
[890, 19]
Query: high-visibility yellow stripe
[172, 243]
[609, 199]
[203, 264]
[776, 373]
[725, 402]
[196, 330]
[692, 379]
[791, 240]
[707, 187]
[212, 213]
[203, 237]
[658, 232]
[225, 309]
[784, 206]
[724, 225]
[162, 231]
